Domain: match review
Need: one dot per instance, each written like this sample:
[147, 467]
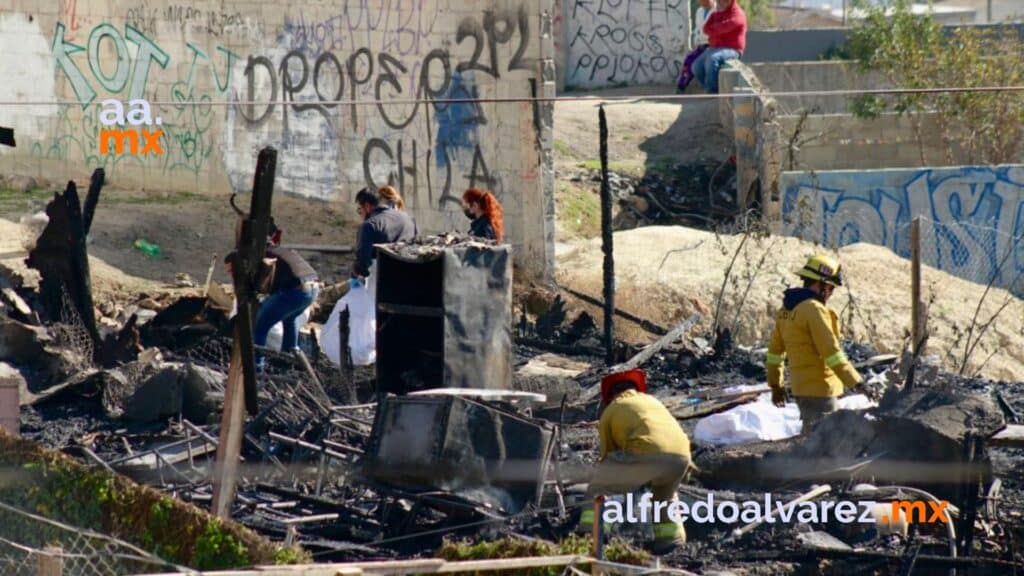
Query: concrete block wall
[608, 43]
[203, 64]
[815, 76]
[975, 215]
[846, 142]
[744, 117]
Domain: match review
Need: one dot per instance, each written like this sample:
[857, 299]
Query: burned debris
[468, 428]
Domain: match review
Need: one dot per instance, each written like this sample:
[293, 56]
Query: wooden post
[51, 563]
[598, 530]
[240, 391]
[915, 287]
[606, 243]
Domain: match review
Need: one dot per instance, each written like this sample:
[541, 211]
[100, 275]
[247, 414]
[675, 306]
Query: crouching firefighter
[642, 445]
[807, 334]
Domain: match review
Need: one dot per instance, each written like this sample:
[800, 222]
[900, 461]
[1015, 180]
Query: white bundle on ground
[761, 421]
[276, 334]
[362, 334]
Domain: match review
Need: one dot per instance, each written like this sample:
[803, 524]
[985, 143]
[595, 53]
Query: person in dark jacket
[294, 286]
[485, 212]
[381, 225]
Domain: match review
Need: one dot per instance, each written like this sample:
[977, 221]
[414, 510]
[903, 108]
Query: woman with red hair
[484, 210]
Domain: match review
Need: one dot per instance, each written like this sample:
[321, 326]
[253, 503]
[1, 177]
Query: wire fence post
[916, 313]
[51, 562]
[606, 243]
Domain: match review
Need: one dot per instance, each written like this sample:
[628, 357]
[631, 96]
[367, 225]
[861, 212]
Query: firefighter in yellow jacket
[807, 335]
[642, 444]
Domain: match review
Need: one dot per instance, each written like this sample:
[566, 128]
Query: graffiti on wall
[975, 214]
[614, 42]
[150, 18]
[428, 148]
[394, 63]
[105, 67]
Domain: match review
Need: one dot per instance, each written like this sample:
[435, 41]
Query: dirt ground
[191, 229]
[644, 136]
[666, 273]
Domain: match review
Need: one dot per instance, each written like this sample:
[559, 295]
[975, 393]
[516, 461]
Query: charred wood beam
[248, 272]
[61, 258]
[92, 198]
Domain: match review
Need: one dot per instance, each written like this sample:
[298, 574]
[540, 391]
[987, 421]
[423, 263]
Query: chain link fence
[979, 326]
[31, 545]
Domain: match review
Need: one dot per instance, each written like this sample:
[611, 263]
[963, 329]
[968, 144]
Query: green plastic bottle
[148, 249]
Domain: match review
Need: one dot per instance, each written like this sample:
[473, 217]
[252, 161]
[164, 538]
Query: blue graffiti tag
[978, 215]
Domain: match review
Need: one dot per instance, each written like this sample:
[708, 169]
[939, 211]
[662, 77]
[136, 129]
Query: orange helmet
[636, 377]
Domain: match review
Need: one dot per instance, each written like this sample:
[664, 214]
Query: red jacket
[727, 28]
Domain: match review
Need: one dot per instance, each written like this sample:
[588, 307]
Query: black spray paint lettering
[404, 169]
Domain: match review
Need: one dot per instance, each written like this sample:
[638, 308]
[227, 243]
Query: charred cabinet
[444, 318]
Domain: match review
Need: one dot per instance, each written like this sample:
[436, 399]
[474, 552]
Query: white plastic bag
[276, 335]
[761, 420]
[362, 334]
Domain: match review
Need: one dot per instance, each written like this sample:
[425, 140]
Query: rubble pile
[332, 463]
[700, 194]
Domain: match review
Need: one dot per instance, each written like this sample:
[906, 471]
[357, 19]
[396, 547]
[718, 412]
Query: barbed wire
[580, 98]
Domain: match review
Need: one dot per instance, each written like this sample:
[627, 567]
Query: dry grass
[879, 281]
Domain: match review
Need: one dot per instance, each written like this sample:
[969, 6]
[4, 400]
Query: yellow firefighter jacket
[807, 333]
[638, 423]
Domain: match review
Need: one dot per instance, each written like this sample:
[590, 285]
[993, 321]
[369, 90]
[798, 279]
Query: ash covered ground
[285, 478]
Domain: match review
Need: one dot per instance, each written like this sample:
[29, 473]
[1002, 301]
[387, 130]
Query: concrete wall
[846, 142]
[810, 44]
[746, 119]
[824, 76]
[792, 45]
[977, 212]
[292, 57]
[623, 42]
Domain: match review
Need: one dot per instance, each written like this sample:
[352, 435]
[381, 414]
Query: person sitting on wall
[485, 212]
[726, 29]
[699, 40]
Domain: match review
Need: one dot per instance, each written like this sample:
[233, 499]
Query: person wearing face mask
[484, 210]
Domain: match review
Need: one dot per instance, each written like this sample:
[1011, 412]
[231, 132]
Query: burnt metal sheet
[444, 318]
[478, 318]
[471, 449]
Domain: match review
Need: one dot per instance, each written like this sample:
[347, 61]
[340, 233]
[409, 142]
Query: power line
[312, 104]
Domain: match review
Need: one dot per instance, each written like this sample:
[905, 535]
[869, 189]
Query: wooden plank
[229, 447]
[325, 248]
[1011, 436]
[422, 566]
[406, 310]
[483, 393]
[646, 354]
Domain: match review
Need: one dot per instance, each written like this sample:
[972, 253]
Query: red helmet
[636, 377]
